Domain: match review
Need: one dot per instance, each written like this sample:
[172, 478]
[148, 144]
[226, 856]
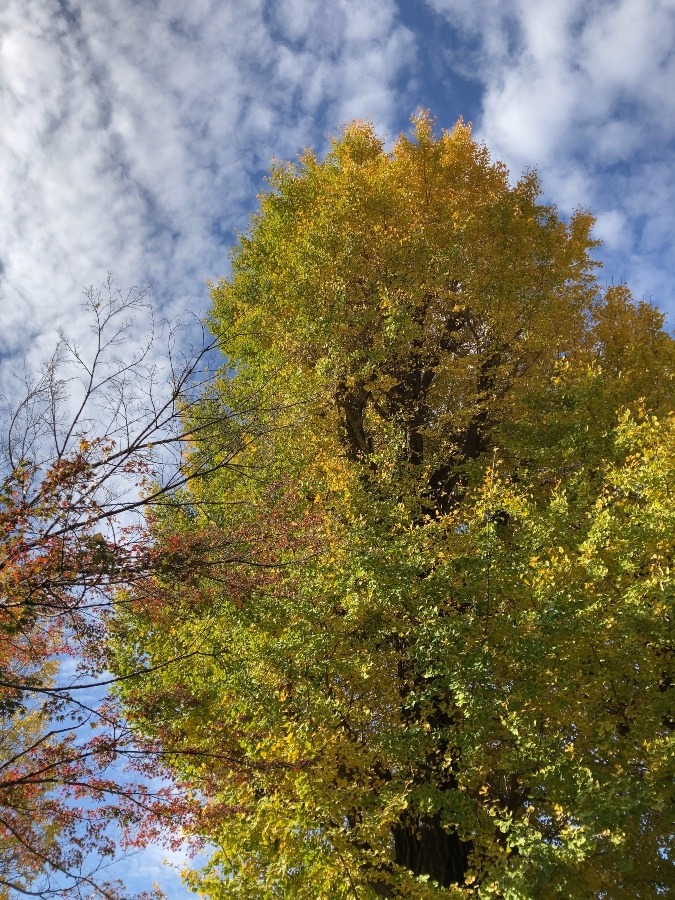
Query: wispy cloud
[584, 91]
[158, 865]
[135, 134]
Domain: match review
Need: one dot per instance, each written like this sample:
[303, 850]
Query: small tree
[95, 443]
[450, 675]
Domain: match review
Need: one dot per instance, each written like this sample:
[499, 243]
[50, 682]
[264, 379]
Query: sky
[135, 134]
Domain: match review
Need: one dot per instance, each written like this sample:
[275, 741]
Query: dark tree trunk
[424, 847]
[421, 844]
[351, 403]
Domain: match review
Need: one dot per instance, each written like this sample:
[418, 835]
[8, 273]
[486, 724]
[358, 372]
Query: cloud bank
[584, 91]
[135, 134]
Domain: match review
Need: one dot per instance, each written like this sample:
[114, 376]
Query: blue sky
[135, 134]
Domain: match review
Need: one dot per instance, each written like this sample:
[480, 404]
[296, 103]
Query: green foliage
[429, 653]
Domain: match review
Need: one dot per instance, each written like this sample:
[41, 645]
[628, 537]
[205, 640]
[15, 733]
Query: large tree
[448, 673]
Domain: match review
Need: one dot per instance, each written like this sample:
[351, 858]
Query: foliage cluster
[449, 673]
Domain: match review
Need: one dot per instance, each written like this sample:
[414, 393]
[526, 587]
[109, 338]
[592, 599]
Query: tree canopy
[433, 605]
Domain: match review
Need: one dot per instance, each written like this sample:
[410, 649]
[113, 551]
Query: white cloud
[610, 228]
[584, 91]
[155, 865]
[135, 134]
